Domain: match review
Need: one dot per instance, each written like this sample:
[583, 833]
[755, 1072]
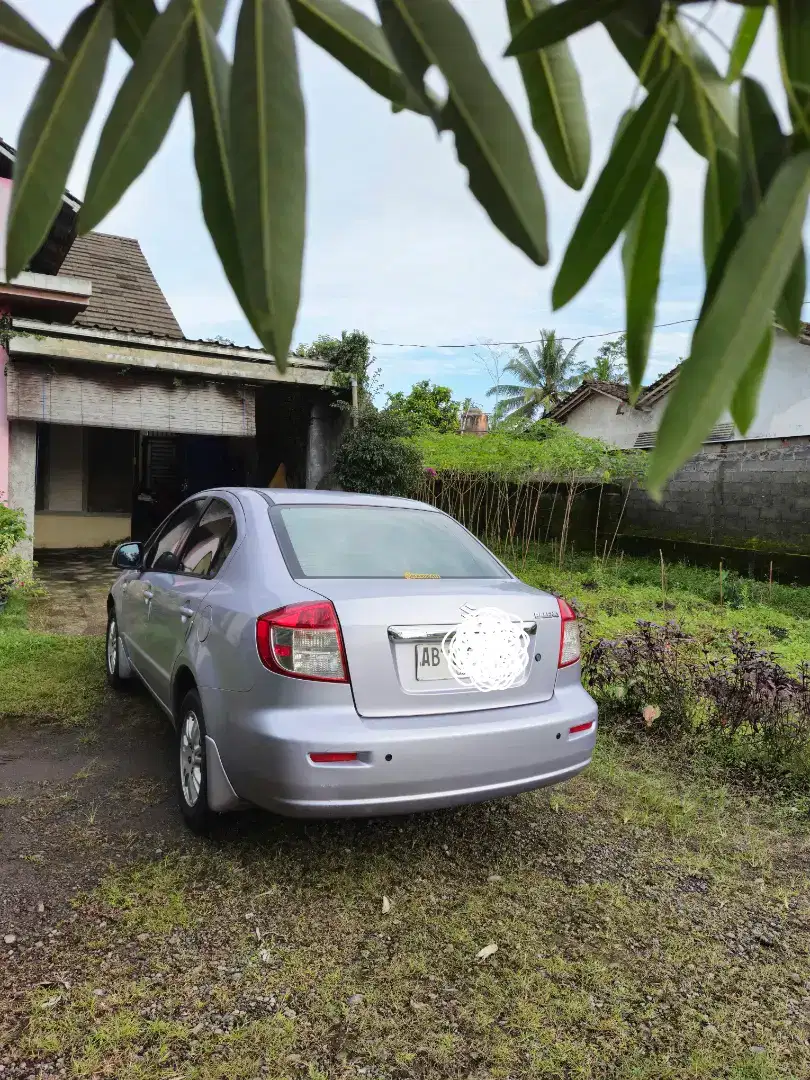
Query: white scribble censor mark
[489, 649]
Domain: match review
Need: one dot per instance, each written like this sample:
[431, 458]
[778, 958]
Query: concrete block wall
[733, 493]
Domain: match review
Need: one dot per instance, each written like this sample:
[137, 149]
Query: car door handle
[186, 612]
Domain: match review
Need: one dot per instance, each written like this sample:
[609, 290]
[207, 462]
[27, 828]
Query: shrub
[653, 670]
[740, 702]
[12, 528]
[375, 458]
[16, 573]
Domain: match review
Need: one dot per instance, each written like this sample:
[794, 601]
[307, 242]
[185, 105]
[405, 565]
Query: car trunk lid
[393, 629]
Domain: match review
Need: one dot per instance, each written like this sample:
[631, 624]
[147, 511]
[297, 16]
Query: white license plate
[431, 664]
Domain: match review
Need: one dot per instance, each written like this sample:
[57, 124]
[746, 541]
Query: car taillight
[569, 635]
[303, 641]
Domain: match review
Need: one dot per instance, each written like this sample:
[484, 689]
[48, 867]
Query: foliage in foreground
[250, 154]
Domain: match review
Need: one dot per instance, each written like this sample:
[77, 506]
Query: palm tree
[609, 364]
[546, 374]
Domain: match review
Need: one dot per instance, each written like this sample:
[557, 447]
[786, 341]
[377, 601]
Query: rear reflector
[327, 759]
[569, 635]
[580, 727]
[303, 641]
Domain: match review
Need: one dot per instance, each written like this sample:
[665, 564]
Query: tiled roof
[613, 389]
[126, 297]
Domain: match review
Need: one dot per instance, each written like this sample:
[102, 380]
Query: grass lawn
[47, 676]
[651, 922]
[648, 924]
[613, 598]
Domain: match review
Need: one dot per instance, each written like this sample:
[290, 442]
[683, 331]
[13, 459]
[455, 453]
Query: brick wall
[733, 492]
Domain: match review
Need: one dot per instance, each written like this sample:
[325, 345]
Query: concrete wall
[66, 530]
[733, 493]
[22, 476]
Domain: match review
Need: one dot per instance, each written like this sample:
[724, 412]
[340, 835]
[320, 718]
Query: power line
[529, 341]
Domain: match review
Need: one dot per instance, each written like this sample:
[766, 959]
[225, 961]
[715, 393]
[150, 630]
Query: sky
[396, 245]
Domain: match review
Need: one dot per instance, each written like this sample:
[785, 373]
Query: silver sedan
[298, 642]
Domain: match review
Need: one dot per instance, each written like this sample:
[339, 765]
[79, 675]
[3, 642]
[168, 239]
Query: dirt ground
[77, 587]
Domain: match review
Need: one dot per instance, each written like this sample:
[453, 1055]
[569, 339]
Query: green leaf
[556, 22]
[142, 111]
[746, 396]
[51, 131]
[763, 148]
[268, 164]
[740, 312]
[20, 34]
[720, 200]
[555, 100]
[706, 95]
[641, 256]
[209, 75]
[794, 38]
[618, 190]
[356, 42]
[747, 30]
[791, 302]
[489, 140]
[133, 20]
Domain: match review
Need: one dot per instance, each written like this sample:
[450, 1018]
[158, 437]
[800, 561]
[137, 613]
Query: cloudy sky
[396, 244]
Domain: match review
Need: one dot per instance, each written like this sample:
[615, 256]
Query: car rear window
[379, 542]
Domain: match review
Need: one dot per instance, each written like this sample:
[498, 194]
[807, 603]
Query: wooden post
[721, 583]
[770, 583]
[663, 580]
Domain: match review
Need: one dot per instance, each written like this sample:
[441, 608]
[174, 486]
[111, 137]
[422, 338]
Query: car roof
[293, 496]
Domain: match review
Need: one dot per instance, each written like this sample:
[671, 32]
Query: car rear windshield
[379, 542]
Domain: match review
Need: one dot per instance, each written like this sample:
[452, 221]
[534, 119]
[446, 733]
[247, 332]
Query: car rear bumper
[405, 764]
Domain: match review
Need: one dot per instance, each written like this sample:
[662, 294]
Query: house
[602, 410]
[739, 486]
[109, 414]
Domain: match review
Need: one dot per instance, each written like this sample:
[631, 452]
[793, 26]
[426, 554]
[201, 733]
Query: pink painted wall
[3, 424]
[5, 198]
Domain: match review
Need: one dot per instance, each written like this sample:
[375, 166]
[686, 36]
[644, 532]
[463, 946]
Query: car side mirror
[127, 556]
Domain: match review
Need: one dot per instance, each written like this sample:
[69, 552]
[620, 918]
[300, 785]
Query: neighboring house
[109, 415]
[602, 410]
[738, 487]
[474, 421]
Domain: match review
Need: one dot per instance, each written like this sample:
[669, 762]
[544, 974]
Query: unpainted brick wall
[731, 492]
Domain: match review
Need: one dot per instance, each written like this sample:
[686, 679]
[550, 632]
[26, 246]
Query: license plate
[431, 665]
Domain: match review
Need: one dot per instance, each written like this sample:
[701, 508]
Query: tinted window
[210, 541]
[380, 542]
[164, 550]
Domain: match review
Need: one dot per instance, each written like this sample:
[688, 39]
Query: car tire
[192, 771]
[112, 653]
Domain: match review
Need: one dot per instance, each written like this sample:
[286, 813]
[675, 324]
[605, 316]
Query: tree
[426, 406]
[609, 364]
[546, 374]
[250, 154]
[350, 357]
